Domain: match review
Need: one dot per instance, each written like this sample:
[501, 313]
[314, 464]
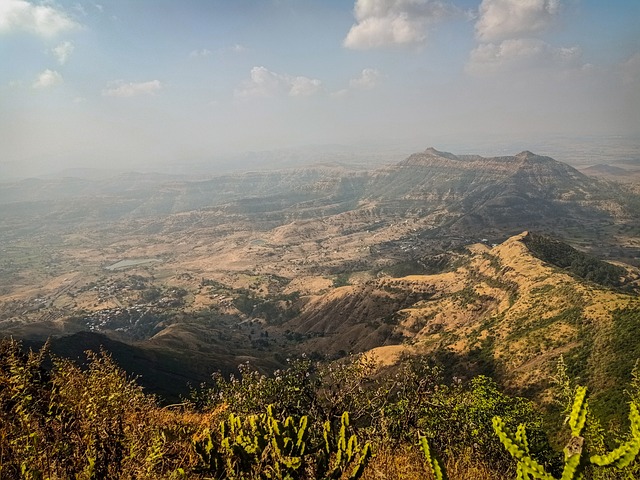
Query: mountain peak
[437, 153]
[526, 154]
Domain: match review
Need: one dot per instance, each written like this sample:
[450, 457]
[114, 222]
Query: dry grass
[400, 462]
[408, 463]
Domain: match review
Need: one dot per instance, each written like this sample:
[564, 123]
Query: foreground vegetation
[342, 420]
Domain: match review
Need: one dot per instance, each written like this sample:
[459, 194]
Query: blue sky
[126, 83]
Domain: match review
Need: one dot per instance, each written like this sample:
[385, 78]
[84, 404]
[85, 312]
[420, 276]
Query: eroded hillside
[502, 311]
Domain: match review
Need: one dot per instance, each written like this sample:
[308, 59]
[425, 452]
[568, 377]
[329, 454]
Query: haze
[143, 84]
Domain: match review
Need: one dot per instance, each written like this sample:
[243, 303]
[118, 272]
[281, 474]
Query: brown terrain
[425, 256]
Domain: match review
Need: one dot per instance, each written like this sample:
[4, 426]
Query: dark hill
[574, 261]
[164, 373]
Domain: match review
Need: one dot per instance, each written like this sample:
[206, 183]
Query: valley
[440, 254]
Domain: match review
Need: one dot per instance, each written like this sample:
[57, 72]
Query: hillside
[503, 311]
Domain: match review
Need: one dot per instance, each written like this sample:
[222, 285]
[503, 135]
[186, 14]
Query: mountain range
[487, 264]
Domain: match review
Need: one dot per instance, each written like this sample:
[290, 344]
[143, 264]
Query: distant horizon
[577, 151]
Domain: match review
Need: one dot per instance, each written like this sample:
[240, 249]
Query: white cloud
[203, 52]
[504, 19]
[48, 78]
[509, 36]
[42, 20]
[63, 51]
[384, 23]
[265, 83]
[238, 48]
[521, 53]
[368, 78]
[121, 89]
[304, 86]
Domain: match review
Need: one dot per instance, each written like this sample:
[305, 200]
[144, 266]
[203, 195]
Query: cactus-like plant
[261, 446]
[518, 447]
[578, 415]
[627, 452]
[574, 458]
[438, 472]
[340, 451]
[211, 460]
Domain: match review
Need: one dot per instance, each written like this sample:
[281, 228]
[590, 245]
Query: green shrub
[70, 423]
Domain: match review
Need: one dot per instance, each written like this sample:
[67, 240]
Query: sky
[117, 83]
